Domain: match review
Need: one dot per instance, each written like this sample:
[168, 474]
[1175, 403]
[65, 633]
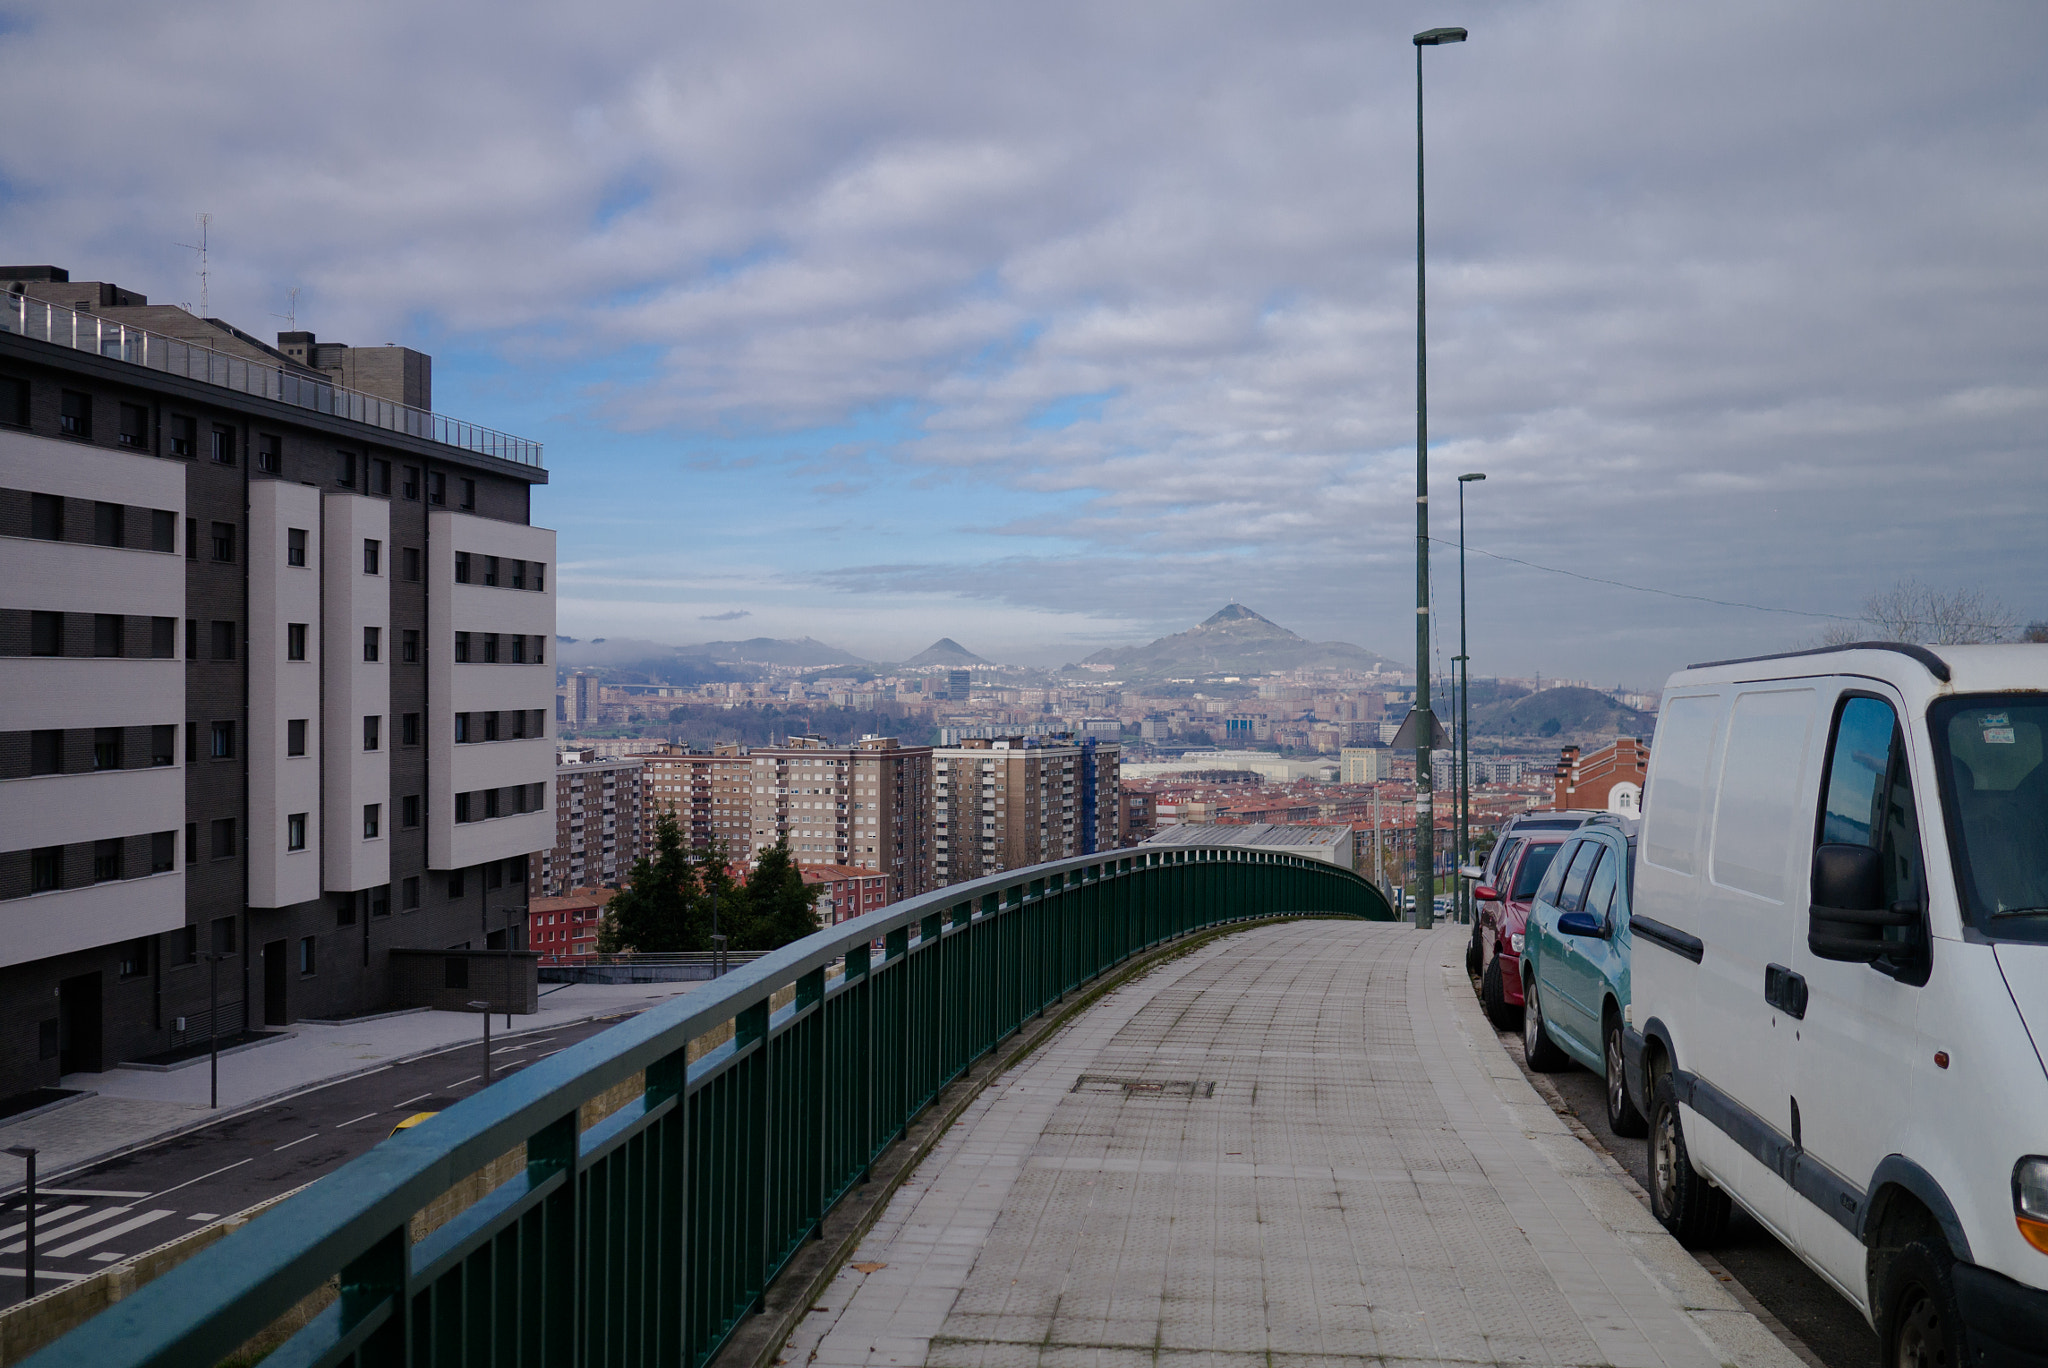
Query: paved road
[1834, 1330]
[142, 1199]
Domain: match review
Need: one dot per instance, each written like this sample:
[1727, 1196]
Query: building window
[224, 935]
[372, 816]
[134, 427]
[409, 893]
[519, 725]
[345, 910]
[46, 516]
[373, 556]
[46, 869]
[462, 567]
[223, 838]
[46, 634]
[409, 729]
[409, 811]
[409, 562]
[380, 901]
[46, 752]
[163, 638]
[490, 726]
[540, 650]
[74, 415]
[106, 634]
[491, 570]
[490, 648]
[163, 531]
[306, 952]
[518, 648]
[223, 747]
[223, 641]
[490, 802]
[409, 485]
[539, 575]
[191, 539]
[295, 736]
[345, 469]
[134, 959]
[380, 478]
[224, 445]
[163, 744]
[372, 637]
[295, 641]
[461, 812]
[269, 453]
[184, 437]
[437, 488]
[517, 577]
[462, 726]
[409, 646]
[185, 948]
[462, 647]
[109, 523]
[373, 732]
[469, 494]
[14, 403]
[455, 886]
[106, 748]
[295, 546]
[295, 831]
[224, 542]
[163, 851]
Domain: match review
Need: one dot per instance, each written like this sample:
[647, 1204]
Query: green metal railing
[647, 1237]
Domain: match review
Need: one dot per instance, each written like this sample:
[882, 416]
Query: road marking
[42, 1273]
[105, 1258]
[300, 1141]
[86, 1192]
[410, 1100]
[353, 1119]
[112, 1232]
[42, 1236]
[507, 1049]
[56, 1215]
[471, 1079]
[550, 1052]
[158, 1197]
[204, 1216]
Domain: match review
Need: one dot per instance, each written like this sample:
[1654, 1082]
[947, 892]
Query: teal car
[1575, 963]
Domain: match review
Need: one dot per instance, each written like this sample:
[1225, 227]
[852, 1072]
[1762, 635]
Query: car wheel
[1920, 1324]
[1538, 1048]
[1622, 1116]
[1504, 1015]
[1472, 952]
[1681, 1198]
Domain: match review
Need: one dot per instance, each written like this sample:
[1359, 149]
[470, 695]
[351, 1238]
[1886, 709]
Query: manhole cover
[1145, 1087]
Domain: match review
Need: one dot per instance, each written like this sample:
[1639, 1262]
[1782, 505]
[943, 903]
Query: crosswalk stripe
[59, 1214]
[43, 1237]
[111, 1233]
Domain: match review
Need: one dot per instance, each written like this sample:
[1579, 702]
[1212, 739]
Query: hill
[1236, 640]
[1564, 713]
[946, 651]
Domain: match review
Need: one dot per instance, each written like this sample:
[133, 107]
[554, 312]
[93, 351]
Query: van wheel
[1538, 1048]
[1502, 1013]
[1682, 1200]
[1622, 1116]
[1920, 1324]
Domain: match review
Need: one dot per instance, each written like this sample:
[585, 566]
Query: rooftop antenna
[291, 310]
[200, 247]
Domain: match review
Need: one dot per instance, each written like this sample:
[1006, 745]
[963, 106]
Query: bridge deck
[1296, 1146]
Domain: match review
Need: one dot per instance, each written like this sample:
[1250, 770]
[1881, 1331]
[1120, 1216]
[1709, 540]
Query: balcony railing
[646, 1237]
[47, 322]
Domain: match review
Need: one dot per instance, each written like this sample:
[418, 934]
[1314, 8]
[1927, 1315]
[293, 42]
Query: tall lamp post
[1464, 718]
[1423, 719]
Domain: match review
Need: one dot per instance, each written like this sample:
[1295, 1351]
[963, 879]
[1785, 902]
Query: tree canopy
[675, 896]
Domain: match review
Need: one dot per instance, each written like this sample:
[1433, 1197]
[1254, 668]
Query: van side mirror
[1847, 918]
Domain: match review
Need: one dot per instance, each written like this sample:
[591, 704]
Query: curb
[269, 1038]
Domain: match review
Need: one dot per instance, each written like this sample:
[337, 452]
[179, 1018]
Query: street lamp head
[1436, 37]
[478, 1006]
[1468, 479]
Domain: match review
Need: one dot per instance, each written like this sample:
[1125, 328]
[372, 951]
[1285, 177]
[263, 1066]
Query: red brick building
[565, 928]
[1610, 779]
[849, 891]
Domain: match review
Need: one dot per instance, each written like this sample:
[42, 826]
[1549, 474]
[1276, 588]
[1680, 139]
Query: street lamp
[1423, 718]
[485, 1008]
[27, 1155]
[1464, 718]
[213, 959]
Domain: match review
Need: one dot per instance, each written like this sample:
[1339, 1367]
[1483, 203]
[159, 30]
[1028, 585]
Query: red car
[1503, 909]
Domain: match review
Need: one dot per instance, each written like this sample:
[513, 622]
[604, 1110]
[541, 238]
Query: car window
[1506, 860]
[1600, 889]
[1541, 872]
[1573, 896]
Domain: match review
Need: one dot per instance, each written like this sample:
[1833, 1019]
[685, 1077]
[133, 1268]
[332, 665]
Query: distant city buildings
[1005, 803]
[1610, 778]
[598, 809]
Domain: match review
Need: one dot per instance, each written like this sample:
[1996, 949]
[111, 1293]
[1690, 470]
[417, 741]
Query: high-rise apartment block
[274, 657]
[598, 808]
[868, 804]
[1014, 801]
[710, 795]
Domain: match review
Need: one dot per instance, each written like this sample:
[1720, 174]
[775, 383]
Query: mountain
[1567, 714]
[1236, 640]
[946, 651]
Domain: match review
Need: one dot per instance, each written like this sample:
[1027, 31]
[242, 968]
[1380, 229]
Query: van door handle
[1785, 991]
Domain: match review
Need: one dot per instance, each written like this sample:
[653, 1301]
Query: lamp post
[27, 1155]
[1423, 718]
[485, 1009]
[213, 959]
[1464, 718]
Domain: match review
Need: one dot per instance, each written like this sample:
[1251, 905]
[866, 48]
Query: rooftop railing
[648, 1235]
[47, 322]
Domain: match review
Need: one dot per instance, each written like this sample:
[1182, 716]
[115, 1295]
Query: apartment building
[598, 809]
[1003, 803]
[868, 804]
[710, 794]
[274, 661]
[846, 891]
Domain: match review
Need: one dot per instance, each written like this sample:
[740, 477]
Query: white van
[1839, 979]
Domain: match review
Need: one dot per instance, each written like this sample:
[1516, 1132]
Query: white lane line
[410, 1100]
[105, 1258]
[204, 1216]
[84, 1192]
[300, 1141]
[507, 1049]
[43, 1237]
[159, 1196]
[471, 1079]
[59, 1214]
[353, 1119]
[550, 1052]
[112, 1232]
[42, 1273]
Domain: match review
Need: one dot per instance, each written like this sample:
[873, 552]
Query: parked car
[1506, 907]
[1488, 876]
[1841, 1007]
[1575, 962]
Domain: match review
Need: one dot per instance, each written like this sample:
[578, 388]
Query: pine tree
[779, 902]
[661, 910]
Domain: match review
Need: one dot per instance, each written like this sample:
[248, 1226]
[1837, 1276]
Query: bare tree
[2036, 631]
[1914, 612]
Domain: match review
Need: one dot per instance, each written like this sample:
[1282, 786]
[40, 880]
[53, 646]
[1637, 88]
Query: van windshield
[1994, 795]
[1534, 865]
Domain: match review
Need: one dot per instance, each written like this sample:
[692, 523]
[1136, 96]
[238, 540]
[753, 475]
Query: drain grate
[1145, 1087]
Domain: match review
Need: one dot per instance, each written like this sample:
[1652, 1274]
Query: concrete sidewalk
[134, 1107]
[1299, 1146]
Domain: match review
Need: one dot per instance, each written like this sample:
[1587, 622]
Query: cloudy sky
[1059, 325]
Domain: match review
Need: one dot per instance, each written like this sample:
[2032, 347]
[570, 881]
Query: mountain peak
[1235, 612]
[945, 651]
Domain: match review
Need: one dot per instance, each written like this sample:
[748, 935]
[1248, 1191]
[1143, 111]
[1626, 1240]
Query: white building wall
[281, 689]
[352, 777]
